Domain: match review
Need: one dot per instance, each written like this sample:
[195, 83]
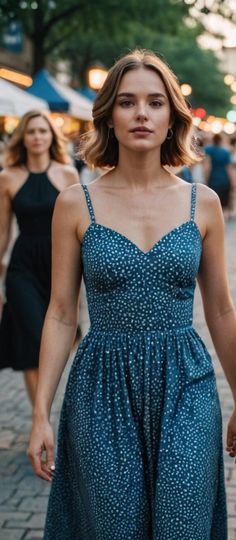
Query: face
[141, 114]
[37, 136]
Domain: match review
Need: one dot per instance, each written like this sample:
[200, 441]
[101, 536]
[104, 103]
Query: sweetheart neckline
[156, 244]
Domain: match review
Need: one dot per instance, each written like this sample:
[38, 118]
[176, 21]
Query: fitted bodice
[129, 290]
[33, 204]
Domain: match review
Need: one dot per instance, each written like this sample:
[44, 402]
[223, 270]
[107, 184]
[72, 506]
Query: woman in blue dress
[139, 446]
[219, 170]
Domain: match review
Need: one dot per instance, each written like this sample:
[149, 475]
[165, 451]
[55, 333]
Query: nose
[141, 112]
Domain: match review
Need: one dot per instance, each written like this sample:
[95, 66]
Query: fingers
[39, 465]
[231, 442]
[231, 448]
[50, 456]
[50, 464]
[48, 471]
[42, 458]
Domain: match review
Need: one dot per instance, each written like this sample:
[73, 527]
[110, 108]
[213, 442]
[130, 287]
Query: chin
[38, 151]
[142, 146]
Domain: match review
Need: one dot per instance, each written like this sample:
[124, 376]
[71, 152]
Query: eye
[156, 103]
[126, 103]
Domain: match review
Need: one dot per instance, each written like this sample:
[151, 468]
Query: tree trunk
[39, 58]
[38, 38]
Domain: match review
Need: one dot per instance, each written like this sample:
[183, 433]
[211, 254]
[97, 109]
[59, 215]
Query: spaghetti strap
[89, 203]
[193, 201]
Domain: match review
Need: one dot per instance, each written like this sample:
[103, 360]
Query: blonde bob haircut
[99, 147]
[16, 153]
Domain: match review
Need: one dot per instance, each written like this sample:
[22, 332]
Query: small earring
[170, 134]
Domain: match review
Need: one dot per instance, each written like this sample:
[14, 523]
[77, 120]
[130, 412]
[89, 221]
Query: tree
[85, 31]
[181, 51]
[50, 23]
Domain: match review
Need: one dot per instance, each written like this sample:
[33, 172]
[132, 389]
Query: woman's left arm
[217, 302]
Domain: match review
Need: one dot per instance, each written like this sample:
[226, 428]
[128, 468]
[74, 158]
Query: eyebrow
[129, 94]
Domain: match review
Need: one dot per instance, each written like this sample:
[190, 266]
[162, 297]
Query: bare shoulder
[70, 173]
[9, 177]
[207, 199]
[71, 206]
[71, 196]
[209, 211]
[6, 174]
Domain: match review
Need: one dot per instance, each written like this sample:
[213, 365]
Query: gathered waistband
[139, 332]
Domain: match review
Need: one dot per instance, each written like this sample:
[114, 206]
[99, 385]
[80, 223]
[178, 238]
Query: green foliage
[198, 68]
[189, 62]
[85, 31]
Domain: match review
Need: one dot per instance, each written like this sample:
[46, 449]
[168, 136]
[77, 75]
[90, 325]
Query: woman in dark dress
[37, 169]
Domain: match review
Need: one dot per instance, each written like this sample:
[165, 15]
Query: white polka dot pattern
[139, 448]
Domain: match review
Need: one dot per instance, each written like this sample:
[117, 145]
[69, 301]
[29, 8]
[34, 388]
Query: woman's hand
[231, 436]
[41, 449]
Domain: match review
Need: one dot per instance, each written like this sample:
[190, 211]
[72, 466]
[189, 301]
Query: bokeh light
[216, 126]
[229, 128]
[231, 116]
[186, 89]
[228, 79]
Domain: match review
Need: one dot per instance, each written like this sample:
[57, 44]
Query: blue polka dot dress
[139, 447]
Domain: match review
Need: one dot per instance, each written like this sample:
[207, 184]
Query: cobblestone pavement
[23, 497]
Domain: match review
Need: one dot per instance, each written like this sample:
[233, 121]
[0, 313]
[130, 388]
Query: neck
[37, 163]
[142, 170]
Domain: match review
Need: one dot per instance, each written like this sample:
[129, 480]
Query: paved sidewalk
[23, 497]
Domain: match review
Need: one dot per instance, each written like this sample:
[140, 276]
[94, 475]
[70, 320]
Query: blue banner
[12, 37]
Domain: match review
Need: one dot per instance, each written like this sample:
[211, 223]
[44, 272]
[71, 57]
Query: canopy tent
[16, 102]
[60, 98]
[87, 92]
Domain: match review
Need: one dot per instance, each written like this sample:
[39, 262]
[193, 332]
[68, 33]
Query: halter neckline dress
[139, 447]
[28, 278]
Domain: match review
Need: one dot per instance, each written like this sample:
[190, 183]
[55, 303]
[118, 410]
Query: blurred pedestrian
[140, 448]
[186, 174]
[36, 169]
[197, 169]
[219, 171]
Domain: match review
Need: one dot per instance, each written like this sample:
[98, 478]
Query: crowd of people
[140, 452]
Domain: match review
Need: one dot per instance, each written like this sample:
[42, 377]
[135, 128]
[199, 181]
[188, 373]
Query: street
[23, 496]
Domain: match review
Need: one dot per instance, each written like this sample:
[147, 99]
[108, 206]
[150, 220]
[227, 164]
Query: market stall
[70, 109]
[15, 102]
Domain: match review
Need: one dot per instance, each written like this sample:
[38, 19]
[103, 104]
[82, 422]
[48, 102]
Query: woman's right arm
[59, 326]
[5, 216]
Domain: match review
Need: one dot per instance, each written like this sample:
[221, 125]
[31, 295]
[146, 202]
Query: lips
[141, 129]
